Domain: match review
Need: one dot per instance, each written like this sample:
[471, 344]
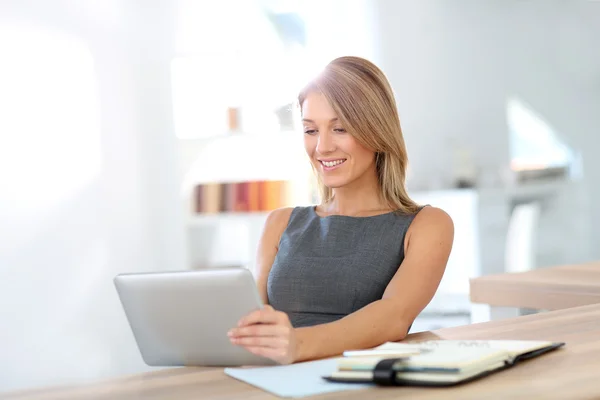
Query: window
[533, 142]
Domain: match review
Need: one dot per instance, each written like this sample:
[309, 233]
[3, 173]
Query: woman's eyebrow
[310, 120]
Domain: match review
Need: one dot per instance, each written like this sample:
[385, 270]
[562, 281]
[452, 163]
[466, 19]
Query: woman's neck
[356, 199]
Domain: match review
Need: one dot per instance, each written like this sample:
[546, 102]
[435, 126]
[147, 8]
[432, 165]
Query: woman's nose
[325, 143]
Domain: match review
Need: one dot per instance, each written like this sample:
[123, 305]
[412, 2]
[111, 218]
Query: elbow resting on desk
[379, 322]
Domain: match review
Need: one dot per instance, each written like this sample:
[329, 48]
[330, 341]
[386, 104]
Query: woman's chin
[334, 183]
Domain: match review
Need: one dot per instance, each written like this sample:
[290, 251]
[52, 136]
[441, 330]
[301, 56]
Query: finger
[263, 316]
[261, 341]
[259, 330]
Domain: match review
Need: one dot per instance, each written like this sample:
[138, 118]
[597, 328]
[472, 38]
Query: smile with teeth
[333, 163]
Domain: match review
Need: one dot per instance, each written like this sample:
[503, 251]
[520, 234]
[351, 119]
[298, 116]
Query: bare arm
[268, 246]
[427, 249]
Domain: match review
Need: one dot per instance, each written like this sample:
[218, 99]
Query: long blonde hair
[363, 100]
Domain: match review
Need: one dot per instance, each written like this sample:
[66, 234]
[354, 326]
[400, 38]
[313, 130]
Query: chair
[521, 238]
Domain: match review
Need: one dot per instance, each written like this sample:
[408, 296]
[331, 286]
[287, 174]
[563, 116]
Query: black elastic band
[384, 373]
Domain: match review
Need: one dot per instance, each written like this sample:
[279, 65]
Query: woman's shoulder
[432, 215]
[279, 218]
[432, 219]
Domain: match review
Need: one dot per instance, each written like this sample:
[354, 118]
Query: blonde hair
[363, 100]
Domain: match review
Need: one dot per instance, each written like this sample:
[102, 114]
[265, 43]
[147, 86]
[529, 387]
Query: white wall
[449, 82]
[82, 198]
[559, 75]
[453, 65]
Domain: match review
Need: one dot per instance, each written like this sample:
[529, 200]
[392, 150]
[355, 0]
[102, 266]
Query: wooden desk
[551, 288]
[572, 372]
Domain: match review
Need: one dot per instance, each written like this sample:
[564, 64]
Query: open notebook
[435, 363]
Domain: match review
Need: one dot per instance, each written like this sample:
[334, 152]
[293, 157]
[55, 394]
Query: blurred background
[156, 135]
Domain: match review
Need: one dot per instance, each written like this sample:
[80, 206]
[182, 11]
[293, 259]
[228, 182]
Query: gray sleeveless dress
[329, 267]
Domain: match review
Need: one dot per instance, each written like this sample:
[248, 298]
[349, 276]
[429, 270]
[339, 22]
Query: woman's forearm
[379, 322]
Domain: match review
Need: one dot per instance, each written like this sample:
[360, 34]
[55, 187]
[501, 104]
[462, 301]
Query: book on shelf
[252, 196]
[436, 362]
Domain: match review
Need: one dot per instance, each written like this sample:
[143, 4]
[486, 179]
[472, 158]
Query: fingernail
[230, 333]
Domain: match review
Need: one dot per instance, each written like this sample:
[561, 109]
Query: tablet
[182, 318]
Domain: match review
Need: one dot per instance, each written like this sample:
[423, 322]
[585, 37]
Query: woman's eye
[341, 130]
[309, 131]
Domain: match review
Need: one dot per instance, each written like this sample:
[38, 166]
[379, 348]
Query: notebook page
[513, 347]
[454, 358]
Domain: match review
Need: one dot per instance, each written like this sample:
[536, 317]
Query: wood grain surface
[550, 288]
[572, 372]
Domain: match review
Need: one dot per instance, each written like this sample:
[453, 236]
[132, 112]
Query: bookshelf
[246, 196]
[226, 217]
[242, 177]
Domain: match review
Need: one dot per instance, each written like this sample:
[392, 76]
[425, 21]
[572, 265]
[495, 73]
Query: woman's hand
[267, 333]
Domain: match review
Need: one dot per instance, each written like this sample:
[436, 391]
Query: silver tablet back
[182, 318]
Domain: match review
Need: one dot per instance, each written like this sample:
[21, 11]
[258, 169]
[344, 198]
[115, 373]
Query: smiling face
[337, 156]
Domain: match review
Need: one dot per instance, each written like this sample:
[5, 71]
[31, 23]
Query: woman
[356, 270]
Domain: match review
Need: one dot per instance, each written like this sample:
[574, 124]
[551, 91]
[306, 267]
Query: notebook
[435, 363]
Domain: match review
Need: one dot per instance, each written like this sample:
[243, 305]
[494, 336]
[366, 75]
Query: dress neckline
[313, 210]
